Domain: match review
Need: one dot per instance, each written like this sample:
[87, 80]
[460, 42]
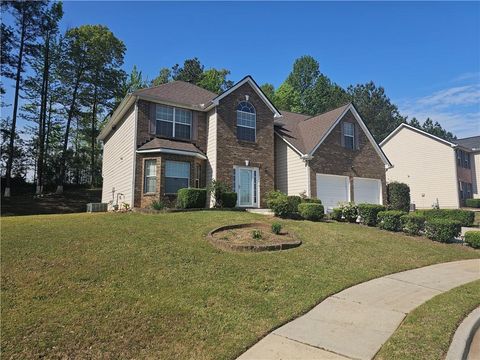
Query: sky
[425, 54]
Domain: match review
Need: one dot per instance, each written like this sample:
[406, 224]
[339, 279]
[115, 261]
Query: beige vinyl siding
[291, 174]
[476, 175]
[426, 165]
[118, 161]
[211, 147]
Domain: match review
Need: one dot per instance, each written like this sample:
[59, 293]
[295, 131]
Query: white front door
[246, 186]
[367, 191]
[332, 190]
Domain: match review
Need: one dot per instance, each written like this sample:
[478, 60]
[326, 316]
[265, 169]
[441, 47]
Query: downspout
[306, 158]
[134, 152]
[457, 186]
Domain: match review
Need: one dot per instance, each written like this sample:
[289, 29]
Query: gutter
[174, 152]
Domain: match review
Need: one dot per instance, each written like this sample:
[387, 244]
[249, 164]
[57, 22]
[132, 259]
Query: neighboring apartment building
[439, 172]
[179, 135]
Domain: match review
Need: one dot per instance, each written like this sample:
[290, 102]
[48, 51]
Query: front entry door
[247, 186]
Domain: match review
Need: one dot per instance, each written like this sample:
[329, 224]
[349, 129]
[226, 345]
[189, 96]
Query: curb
[460, 346]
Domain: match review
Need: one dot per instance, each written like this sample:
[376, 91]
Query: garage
[332, 190]
[367, 190]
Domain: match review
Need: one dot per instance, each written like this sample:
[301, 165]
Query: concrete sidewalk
[356, 322]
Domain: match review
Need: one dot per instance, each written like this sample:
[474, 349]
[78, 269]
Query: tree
[286, 98]
[191, 71]
[304, 75]
[269, 91]
[433, 128]
[7, 58]
[377, 111]
[324, 96]
[131, 83]
[215, 80]
[27, 18]
[163, 77]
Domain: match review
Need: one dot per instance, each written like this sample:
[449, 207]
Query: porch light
[247, 162]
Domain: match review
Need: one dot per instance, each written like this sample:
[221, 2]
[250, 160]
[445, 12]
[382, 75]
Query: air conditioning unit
[97, 207]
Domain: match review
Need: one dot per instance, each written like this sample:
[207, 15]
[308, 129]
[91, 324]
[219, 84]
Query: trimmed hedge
[472, 238]
[473, 203]
[293, 202]
[390, 220]
[368, 213]
[413, 223]
[311, 200]
[336, 214]
[311, 211]
[464, 217]
[229, 199]
[191, 198]
[398, 196]
[442, 230]
[350, 212]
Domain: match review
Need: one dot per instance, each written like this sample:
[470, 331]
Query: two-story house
[439, 172]
[179, 135]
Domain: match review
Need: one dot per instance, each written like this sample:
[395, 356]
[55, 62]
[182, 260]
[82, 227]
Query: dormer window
[173, 122]
[246, 121]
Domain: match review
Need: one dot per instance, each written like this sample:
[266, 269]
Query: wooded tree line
[66, 85]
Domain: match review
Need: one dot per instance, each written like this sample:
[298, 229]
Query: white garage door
[332, 189]
[367, 191]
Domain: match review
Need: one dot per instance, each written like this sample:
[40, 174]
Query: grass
[150, 286]
[427, 331]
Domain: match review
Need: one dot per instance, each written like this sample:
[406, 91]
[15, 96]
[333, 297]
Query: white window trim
[257, 190]
[249, 127]
[178, 177]
[145, 176]
[347, 135]
[173, 120]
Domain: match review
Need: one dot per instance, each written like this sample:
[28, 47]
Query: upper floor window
[246, 121]
[463, 159]
[173, 122]
[349, 135]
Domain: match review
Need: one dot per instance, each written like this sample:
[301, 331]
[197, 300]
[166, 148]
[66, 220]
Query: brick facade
[231, 151]
[332, 158]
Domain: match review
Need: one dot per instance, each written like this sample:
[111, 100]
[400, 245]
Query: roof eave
[124, 105]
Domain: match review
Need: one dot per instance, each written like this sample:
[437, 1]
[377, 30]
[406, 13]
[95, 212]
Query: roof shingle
[472, 142]
[158, 143]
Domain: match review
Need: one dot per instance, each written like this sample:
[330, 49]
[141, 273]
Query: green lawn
[428, 330]
[150, 286]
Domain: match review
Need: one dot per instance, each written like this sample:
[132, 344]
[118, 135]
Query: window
[465, 190]
[467, 160]
[150, 176]
[463, 159]
[198, 174]
[246, 121]
[173, 122]
[349, 135]
[177, 176]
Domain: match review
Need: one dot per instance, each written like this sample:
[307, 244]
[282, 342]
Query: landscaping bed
[129, 285]
[251, 237]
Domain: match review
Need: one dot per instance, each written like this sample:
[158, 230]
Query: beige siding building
[437, 171]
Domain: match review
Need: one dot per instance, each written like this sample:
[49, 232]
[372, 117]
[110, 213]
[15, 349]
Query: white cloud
[456, 108]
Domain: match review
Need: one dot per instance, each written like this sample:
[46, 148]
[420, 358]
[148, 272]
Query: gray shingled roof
[472, 142]
[179, 92]
[303, 131]
[158, 143]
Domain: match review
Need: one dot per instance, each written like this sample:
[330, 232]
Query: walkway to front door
[246, 186]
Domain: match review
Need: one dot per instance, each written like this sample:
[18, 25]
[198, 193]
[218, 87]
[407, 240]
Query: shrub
[350, 212]
[229, 199]
[158, 205]
[413, 224]
[276, 228]
[472, 238]
[216, 189]
[442, 230]
[293, 202]
[390, 220]
[190, 198]
[368, 213]
[311, 211]
[473, 203]
[256, 234]
[336, 214]
[398, 196]
[311, 200]
[465, 217]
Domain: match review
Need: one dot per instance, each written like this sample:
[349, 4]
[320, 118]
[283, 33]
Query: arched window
[246, 121]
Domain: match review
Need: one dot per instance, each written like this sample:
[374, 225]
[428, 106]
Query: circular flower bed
[251, 237]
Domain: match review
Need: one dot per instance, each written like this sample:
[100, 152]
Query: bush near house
[465, 217]
[368, 213]
[191, 198]
[398, 196]
[350, 212]
[390, 220]
[442, 230]
[311, 200]
[413, 223]
[472, 238]
[473, 203]
[229, 199]
[311, 211]
[293, 202]
[337, 214]
[278, 202]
